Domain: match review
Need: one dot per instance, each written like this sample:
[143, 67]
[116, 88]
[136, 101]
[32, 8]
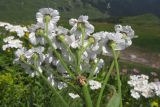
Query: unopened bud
[60, 37]
[35, 56]
[39, 32]
[80, 26]
[47, 18]
[22, 57]
[111, 44]
[26, 34]
[91, 40]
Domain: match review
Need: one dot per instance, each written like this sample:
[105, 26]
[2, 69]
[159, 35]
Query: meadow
[19, 90]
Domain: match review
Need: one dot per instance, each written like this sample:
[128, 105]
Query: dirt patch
[143, 57]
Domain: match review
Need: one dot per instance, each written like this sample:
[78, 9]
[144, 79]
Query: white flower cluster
[20, 30]
[12, 41]
[53, 45]
[141, 86]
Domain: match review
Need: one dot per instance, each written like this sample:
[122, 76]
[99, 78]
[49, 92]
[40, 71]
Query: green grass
[147, 28]
[23, 11]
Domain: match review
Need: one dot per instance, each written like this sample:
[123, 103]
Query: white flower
[51, 13]
[118, 28]
[156, 87]
[73, 42]
[99, 66]
[19, 53]
[28, 54]
[135, 94]
[58, 36]
[61, 30]
[61, 85]
[19, 30]
[128, 34]
[36, 32]
[55, 83]
[38, 50]
[84, 21]
[7, 39]
[112, 38]
[51, 80]
[96, 47]
[16, 28]
[3, 24]
[94, 84]
[72, 95]
[141, 86]
[12, 43]
[60, 68]
[129, 31]
[125, 29]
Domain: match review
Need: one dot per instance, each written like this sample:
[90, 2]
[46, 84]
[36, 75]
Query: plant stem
[83, 34]
[118, 76]
[94, 68]
[43, 77]
[105, 83]
[87, 96]
[56, 53]
[69, 50]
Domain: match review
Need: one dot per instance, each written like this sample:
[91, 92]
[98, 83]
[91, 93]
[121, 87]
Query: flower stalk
[118, 75]
[44, 78]
[105, 81]
[87, 97]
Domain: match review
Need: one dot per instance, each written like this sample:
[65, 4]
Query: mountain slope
[18, 10]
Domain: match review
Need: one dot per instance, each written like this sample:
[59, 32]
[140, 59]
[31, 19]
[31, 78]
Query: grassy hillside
[24, 10]
[147, 28]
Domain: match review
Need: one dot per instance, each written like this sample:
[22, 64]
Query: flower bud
[111, 44]
[26, 34]
[91, 40]
[39, 32]
[80, 26]
[8, 50]
[47, 18]
[60, 38]
[22, 57]
[35, 56]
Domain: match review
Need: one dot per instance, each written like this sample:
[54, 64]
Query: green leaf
[114, 101]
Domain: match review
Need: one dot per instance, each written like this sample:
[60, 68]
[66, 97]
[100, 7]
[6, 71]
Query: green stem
[83, 34]
[87, 96]
[69, 50]
[57, 54]
[43, 77]
[118, 76]
[94, 68]
[105, 83]
[54, 90]
[59, 77]
[82, 49]
[80, 52]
